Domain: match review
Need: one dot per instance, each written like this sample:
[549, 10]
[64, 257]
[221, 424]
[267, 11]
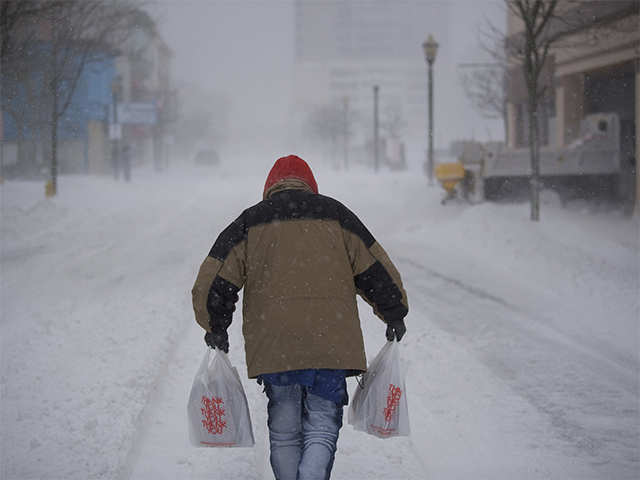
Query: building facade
[146, 99]
[82, 136]
[343, 48]
[592, 68]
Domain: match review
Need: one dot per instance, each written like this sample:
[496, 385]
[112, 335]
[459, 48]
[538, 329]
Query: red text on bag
[393, 400]
[213, 411]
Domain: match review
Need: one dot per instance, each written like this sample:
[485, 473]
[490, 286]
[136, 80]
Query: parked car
[207, 157]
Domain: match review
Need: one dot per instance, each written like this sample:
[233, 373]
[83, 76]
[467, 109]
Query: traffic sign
[115, 131]
[137, 113]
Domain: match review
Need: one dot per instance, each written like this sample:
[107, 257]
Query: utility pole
[345, 101]
[376, 153]
[430, 47]
[430, 160]
[116, 89]
[1, 149]
[637, 153]
[51, 188]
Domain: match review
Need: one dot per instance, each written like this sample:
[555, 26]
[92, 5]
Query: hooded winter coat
[301, 257]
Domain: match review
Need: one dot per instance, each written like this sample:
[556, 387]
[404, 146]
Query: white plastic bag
[217, 410]
[379, 405]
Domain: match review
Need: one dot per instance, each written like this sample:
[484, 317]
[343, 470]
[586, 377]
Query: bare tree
[330, 124]
[393, 122]
[15, 17]
[45, 50]
[532, 50]
[21, 62]
[485, 86]
[485, 83]
[80, 32]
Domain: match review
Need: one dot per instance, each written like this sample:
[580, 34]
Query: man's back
[299, 306]
[301, 258]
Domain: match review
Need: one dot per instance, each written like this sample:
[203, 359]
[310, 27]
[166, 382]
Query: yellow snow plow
[449, 175]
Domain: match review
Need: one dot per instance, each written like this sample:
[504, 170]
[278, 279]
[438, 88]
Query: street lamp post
[345, 104]
[430, 47]
[116, 89]
[376, 153]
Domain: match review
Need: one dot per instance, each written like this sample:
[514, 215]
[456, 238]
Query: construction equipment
[449, 175]
[595, 153]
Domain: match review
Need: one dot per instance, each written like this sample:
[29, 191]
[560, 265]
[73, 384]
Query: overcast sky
[245, 51]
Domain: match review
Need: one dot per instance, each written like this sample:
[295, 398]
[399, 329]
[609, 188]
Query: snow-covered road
[522, 345]
[588, 404]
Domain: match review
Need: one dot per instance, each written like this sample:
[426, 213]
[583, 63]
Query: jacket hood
[289, 172]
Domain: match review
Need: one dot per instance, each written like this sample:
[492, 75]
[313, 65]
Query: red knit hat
[291, 166]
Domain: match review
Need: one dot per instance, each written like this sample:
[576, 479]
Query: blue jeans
[303, 432]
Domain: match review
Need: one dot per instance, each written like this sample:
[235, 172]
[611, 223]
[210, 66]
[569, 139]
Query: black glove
[217, 338]
[396, 329]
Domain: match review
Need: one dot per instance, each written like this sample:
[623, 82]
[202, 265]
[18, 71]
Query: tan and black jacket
[301, 258]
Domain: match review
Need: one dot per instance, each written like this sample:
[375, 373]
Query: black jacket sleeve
[220, 278]
[376, 278]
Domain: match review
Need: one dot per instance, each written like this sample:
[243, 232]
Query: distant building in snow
[344, 48]
[146, 99]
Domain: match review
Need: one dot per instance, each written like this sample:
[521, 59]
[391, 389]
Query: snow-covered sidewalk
[522, 346]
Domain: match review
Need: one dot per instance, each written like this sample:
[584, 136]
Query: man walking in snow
[301, 258]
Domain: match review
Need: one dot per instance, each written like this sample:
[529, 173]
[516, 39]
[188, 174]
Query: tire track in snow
[146, 415]
[161, 447]
[592, 402]
[162, 421]
[119, 388]
[626, 373]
